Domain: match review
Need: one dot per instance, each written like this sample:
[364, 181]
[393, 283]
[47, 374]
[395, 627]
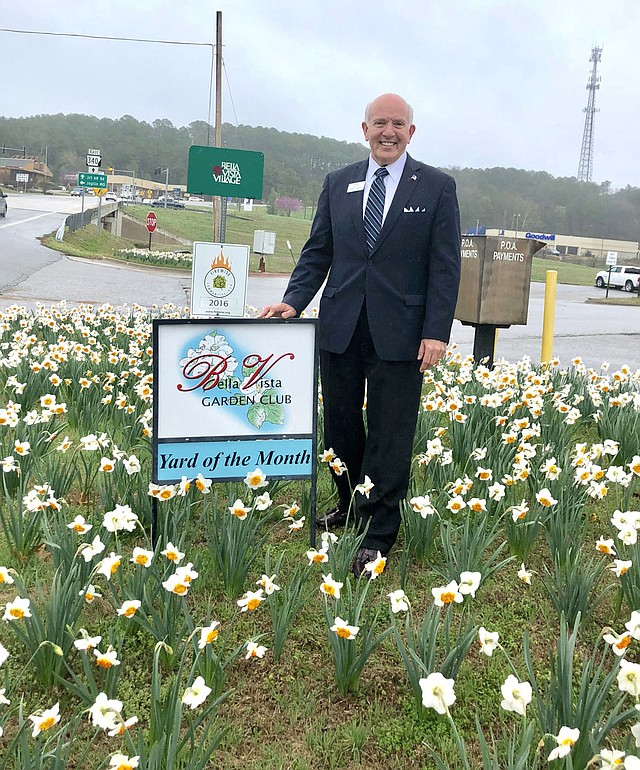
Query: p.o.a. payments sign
[234, 395]
[225, 172]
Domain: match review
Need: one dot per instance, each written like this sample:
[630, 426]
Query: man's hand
[430, 353]
[279, 310]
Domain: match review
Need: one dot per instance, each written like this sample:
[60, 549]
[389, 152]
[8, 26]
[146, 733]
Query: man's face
[388, 131]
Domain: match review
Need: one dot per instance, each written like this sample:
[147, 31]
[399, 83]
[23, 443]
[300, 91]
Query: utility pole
[217, 200]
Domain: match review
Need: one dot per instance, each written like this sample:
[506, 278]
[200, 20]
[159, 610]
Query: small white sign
[247, 204]
[219, 280]
[22, 177]
[612, 258]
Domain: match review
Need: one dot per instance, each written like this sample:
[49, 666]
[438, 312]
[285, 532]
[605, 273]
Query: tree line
[295, 165]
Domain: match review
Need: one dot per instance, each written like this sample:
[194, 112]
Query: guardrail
[83, 218]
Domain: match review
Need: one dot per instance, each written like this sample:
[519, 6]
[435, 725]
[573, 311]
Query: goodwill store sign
[233, 395]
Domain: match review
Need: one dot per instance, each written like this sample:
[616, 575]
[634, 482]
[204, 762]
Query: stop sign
[152, 221]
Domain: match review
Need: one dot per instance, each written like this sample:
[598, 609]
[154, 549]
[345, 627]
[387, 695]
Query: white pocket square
[411, 210]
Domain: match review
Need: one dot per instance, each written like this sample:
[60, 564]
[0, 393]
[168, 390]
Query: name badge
[356, 186]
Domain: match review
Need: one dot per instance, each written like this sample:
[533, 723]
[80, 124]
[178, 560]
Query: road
[30, 273]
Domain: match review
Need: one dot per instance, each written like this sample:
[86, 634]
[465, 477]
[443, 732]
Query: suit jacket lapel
[406, 186]
[355, 203]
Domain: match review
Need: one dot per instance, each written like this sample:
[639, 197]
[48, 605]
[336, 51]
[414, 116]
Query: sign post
[152, 223]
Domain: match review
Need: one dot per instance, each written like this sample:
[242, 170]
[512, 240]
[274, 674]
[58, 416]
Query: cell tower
[585, 166]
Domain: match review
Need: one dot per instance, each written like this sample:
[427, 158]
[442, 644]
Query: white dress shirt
[391, 181]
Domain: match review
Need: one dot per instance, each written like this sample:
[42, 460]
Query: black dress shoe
[336, 517]
[363, 557]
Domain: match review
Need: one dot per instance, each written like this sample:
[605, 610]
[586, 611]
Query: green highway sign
[92, 180]
[225, 172]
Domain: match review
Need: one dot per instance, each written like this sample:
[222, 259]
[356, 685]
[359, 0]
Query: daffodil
[376, 567]
[297, 524]
[79, 525]
[196, 695]
[90, 593]
[208, 634]
[399, 601]
[437, 692]
[172, 553]
[129, 608]
[141, 556]
[86, 642]
[565, 739]
[488, 640]
[516, 695]
[239, 510]
[605, 545]
[123, 762]
[545, 498]
[251, 600]
[291, 511]
[174, 584]
[45, 720]
[469, 583]
[618, 642]
[255, 479]
[5, 577]
[366, 487]
[4, 653]
[254, 650]
[629, 678]
[105, 712]
[263, 501]
[106, 659]
[444, 595]
[330, 587]
[109, 565]
[317, 557]
[524, 575]
[89, 550]
[342, 629]
[17, 609]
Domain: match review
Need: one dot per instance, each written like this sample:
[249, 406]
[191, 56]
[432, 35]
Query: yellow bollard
[548, 318]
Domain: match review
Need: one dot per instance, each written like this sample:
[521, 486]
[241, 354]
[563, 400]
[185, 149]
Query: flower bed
[504, 624]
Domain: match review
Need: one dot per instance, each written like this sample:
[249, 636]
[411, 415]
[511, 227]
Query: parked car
[622, 277]
[111, 196]
[172, 203]
[195, 199]
[3, 204]
[77, 192]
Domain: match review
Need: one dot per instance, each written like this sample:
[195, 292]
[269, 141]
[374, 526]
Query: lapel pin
[414, 177]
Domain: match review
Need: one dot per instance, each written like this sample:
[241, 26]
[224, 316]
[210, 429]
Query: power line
[233, 106]
[104, 37]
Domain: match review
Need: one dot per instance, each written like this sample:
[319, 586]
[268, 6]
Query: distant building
[38, 172]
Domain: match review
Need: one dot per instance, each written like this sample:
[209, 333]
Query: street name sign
[92, 180]
[225, 172]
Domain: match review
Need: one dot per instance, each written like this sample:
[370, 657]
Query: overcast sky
[492, 82]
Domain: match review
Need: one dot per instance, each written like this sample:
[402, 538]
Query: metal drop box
[495, 279]
[264, 242]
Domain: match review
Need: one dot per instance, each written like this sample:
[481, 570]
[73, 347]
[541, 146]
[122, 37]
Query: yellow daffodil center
[212, 635]
[78, 528]
[142, 559]
[115, 566]
[130, 611]
[448, 597]
[180, 588]
[317, 557]
[343, 633]
[379, 568]
[103, 663]
[172, 556]
[330, 590]
[623, 643]
[16, 612]
[47, 723]
[253, 604]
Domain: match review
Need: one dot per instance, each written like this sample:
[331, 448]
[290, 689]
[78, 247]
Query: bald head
[402, 103]
[388, 128]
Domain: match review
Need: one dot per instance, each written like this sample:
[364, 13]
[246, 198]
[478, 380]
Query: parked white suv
[622, 277]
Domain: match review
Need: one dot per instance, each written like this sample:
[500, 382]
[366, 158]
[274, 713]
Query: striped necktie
[375, 208]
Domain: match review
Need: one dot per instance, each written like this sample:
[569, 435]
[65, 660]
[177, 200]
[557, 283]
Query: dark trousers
[382, 449]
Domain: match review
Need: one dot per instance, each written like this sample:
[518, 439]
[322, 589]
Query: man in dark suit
[387, 234]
